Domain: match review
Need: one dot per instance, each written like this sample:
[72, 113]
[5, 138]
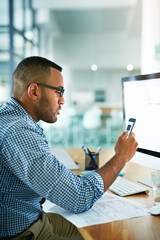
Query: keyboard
[124, 187]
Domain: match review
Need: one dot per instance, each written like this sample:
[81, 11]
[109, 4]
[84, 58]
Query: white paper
[47, 205]
[64, 157]
[107, 209]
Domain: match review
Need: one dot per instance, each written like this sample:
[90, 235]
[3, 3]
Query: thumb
[124, 135]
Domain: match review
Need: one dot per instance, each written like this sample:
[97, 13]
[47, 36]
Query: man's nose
[61, 100]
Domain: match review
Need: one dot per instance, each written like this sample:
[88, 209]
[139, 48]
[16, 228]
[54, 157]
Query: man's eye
[57, 92]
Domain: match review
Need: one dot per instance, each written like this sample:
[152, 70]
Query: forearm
[111, 169]
[125, 149]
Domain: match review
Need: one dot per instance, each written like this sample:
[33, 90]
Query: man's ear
[33, 92]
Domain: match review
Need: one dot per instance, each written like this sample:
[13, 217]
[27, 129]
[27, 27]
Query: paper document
[107, 209]
[64, 157]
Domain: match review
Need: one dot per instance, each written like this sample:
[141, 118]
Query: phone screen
[130, 125]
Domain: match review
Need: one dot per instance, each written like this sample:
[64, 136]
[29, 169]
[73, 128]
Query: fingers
[132, 134]
[131, 139]
[126, 146]
[124, 135]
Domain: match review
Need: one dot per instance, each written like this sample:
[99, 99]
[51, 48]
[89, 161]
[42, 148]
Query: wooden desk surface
[141, 228]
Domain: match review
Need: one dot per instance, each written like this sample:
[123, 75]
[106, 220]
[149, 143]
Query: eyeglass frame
[59, 89]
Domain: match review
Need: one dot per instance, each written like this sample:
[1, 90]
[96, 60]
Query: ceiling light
[94, 67]
[29, 35]
[129, 67]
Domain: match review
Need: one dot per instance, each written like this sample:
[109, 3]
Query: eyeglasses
[59, 89]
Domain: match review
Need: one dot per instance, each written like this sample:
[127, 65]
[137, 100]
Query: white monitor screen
[141, 100]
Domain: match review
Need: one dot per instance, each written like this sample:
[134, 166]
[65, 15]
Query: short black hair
[32, 69]
[38, 61]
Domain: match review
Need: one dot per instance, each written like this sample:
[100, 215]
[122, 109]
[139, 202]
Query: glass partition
[4, 16]
[18, 44]
[4, 40]
[18, 18]
[28, 19]
[16, 40]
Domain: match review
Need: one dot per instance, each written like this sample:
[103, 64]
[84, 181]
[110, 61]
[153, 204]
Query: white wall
[115, 52]
[110, 81]
[111, 58]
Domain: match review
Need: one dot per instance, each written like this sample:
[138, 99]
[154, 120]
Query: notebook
[62, 155]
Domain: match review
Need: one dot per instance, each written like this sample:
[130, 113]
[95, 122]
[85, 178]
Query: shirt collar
[12, 102]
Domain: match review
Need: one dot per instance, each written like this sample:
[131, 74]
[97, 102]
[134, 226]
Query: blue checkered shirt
[29, 172]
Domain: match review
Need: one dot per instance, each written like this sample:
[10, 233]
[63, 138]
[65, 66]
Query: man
[29, 172]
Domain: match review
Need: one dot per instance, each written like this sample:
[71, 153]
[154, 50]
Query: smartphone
[130, 125]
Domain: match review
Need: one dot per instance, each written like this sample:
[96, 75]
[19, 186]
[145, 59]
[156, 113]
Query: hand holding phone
[130, 125]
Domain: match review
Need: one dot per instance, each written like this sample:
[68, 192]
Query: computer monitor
[141, 100]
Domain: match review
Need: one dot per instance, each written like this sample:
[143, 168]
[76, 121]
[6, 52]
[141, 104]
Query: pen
[98, 150]
[85, 150]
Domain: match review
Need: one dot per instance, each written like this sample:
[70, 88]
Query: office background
[97, 42]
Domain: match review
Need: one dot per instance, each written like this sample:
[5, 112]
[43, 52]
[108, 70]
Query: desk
[142, 228]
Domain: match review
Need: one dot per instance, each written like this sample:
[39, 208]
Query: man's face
[49, 105]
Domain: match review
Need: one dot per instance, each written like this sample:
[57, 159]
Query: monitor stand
[146, 181]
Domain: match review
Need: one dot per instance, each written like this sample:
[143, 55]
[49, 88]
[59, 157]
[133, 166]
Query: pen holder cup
[91, 162]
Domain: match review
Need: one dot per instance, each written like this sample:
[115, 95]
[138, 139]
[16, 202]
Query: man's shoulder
[10, 115]
[13, 115]
[9, 123]
[11, 120]
[15, 120]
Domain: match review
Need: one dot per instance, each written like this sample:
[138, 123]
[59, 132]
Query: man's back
[17, 200]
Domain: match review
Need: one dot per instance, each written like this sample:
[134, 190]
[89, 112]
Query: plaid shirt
[29, 172]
